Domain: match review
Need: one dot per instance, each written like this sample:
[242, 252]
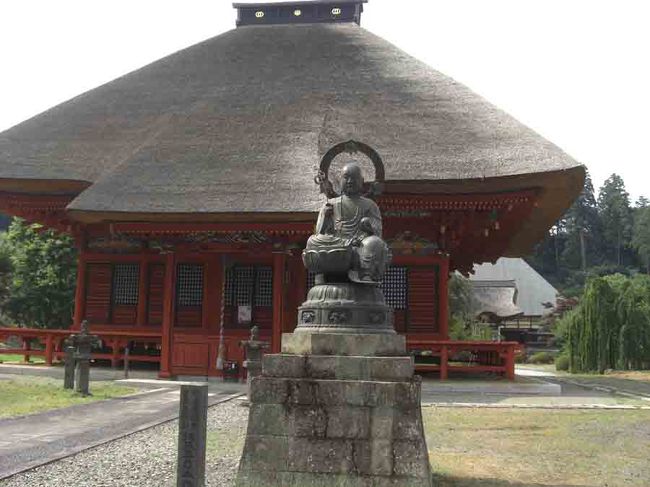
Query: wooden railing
[52, 344]
[498, 357]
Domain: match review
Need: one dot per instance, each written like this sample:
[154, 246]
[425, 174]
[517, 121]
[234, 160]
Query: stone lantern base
[347, 419]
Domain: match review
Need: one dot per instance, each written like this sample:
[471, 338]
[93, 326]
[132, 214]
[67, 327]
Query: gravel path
[147, 458]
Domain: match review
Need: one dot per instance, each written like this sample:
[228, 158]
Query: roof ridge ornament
[299, 12]
[371, 189]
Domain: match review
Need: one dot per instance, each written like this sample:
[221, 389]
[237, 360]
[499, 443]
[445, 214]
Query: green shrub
[562, 362]
[541, 358]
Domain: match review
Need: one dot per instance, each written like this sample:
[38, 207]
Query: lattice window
[243, 285]
[395, 286]
[126, 279]
[189, 285]
[249, 285]
[229, 288]
[264, 286]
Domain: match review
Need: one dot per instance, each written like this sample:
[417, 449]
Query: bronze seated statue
[349, 258]
[348, 239]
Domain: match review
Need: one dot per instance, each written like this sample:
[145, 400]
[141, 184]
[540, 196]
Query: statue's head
[352, 179]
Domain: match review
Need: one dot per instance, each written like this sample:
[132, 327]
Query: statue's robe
[343, 228]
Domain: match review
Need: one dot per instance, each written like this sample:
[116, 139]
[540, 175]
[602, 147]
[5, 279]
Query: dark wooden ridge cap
[296, 12]
[296, 3]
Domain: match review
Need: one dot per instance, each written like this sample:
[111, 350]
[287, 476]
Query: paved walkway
[29, 441]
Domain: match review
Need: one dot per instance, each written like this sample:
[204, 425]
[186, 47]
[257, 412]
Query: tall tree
[641, 235]
[642, 202]
[583, 230]
[616, 215]
[41, 288]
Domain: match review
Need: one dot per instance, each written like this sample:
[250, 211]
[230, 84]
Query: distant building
[512, 285]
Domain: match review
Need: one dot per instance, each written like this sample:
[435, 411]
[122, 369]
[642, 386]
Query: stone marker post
[82, 343]
[253, 349]
[68, 371]
[192, 430]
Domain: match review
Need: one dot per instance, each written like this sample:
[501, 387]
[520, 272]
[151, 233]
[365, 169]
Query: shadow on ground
[450, 481]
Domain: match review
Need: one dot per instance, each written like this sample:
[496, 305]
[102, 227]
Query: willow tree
[593, 328]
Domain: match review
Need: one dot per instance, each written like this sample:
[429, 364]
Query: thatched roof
[533, 291]
[496, 300]
[237, 125]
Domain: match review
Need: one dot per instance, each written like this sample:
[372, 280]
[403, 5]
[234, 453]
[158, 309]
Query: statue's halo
[373, 188]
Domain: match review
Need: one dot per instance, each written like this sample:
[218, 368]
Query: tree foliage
[616, 216]
[40, 290]
[611, 326]
[641, 235]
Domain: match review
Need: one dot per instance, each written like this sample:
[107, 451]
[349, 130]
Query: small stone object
[253, 349]
[192, 431]
[82, 344]
[69, 364]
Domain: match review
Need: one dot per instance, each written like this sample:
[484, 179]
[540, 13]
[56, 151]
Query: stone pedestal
[336, 410]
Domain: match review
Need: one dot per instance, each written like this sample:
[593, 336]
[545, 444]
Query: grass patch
[27, 395]
[507, 447]
[19, 359]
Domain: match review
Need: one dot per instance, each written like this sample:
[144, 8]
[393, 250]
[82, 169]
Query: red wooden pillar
[168, 316]
[115, 353]
[443, 298]
[80, 292]
[444, 358]
[279, 266]
[510, 363]
[142, 293]
[49, 349]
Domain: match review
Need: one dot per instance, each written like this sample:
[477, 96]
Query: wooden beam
[168, 316]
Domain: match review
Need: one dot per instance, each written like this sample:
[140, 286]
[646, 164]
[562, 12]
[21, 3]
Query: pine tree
[583, 230]
[616, 216]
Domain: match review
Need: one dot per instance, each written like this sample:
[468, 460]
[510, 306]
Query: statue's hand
[366, 226]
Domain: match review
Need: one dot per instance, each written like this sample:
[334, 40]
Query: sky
[576, 71]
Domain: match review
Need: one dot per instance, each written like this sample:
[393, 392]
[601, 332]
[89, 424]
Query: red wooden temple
[188, 185]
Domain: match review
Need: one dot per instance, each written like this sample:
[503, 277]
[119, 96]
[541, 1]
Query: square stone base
[335, 421]
[357, 344]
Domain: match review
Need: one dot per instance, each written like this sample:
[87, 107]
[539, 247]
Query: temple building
[189, 184]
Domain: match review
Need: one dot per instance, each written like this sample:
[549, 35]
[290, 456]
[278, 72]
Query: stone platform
[336, 420]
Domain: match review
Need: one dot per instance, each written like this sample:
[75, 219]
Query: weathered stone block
[265, 453]
[284, 365]
[381, 462]
[407, 424]
[332, 367]
[381, 422]
[320, 455]
[309, 421]
[305, 343]
[268, 419]
[348, 422]
[411, 459]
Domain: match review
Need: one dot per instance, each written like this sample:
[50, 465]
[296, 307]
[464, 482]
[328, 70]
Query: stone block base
[335, 421]
[358, 344]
